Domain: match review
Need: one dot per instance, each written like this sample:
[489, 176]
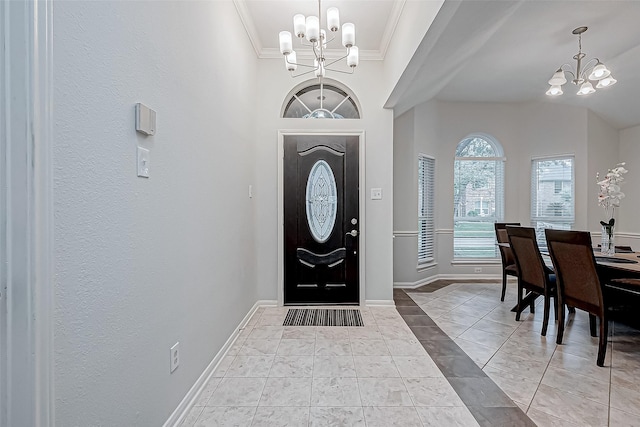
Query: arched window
[478, 196]
[321, 100]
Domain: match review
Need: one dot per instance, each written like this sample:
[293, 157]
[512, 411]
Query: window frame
[499, 193]
[534, 197]
[426, 209]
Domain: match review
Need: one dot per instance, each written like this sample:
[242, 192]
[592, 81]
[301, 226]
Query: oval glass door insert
[322, 201]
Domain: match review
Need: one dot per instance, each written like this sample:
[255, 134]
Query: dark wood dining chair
[578, 282]
[533, 275]
[509, 267]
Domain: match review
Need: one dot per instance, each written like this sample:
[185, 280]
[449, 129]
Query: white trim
[416, 284]
[362, 204]
[405, 234]
[274, 53]
[471, 276]
[553, 157]
[444, 231]
[249, 26]
[436, 277]
[621, 234]
[26, 351]
[194, 392]
[476, 261]
[380, 303]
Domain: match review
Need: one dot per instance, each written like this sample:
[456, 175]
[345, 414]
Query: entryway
[322, 227]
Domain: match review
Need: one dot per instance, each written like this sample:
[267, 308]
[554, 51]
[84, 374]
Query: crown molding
[390, 29]
[365, 55]
[249, 26]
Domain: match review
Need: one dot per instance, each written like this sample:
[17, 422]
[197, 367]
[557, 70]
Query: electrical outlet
[175, 356]
[477, 270]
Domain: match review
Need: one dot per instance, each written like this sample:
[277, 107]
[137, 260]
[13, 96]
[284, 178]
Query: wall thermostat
[145, 120]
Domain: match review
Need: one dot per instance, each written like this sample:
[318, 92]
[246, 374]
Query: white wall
[378, 126]
[603, 151]
[630, 206]
[525, 131]
[415, 132]
[143, 263]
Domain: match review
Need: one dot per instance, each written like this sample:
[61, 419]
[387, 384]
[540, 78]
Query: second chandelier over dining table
[308, 30]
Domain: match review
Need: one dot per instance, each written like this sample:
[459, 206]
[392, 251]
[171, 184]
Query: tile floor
[376, 375]
[555, 385]
[401, 369]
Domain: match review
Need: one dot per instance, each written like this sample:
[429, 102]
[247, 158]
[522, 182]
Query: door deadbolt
[354, 221]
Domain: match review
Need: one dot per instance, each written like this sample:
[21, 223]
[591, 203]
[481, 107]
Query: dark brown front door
[321, 221]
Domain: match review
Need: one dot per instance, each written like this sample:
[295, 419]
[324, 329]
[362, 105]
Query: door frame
[26, 214]
[361, 204]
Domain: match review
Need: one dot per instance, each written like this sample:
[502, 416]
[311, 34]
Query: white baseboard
[193, 394]
[416, 284]
[380, 303]
[474, 276]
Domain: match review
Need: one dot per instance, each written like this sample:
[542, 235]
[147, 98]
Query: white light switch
[376, 194]
[144, 162]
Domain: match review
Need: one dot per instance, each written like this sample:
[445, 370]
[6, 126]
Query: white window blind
[426, 221]
[478, 197]
[552, 195]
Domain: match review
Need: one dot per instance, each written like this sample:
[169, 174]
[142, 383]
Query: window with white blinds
[552, 195]
[478, 197]
[426, 220]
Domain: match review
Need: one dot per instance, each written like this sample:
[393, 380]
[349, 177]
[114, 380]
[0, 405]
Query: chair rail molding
[26, 215]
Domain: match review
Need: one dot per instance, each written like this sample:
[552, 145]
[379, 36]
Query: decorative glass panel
[326, 102]
[322, 201]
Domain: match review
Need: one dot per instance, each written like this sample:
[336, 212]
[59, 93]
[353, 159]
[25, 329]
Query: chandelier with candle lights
[311, 36]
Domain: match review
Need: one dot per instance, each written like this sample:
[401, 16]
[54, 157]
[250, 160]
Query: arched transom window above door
[321, 100]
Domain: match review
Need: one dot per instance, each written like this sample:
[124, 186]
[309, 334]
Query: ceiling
[485, 51]
[264, 19]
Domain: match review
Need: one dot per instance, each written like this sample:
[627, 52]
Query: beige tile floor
[556, 385]
[376, 375]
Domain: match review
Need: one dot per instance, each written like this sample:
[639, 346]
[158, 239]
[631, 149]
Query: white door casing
[26, 215]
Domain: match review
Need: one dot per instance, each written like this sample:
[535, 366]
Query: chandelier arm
[300, 64]
[302, 74]
[340, 71]
[333, 62]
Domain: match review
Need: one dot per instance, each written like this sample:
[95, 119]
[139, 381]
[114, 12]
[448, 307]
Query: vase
[606, 243]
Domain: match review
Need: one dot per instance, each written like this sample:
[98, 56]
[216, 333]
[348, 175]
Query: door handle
[353, 233]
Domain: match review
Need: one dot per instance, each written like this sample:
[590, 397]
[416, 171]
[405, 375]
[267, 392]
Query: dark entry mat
[323, 317]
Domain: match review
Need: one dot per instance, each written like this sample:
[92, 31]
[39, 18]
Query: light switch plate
[145, 120]
[376, 194]
[144, 162]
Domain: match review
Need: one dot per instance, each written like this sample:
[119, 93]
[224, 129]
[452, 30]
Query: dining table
[624, 264]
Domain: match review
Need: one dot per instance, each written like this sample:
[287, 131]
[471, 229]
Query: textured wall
[143, 263]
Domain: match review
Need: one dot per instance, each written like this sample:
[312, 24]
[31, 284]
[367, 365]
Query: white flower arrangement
[609, 196]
